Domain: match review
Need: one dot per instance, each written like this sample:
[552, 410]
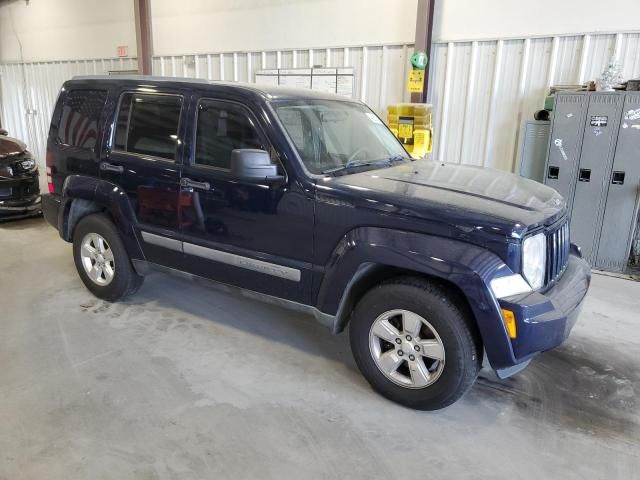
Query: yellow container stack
[411, 123]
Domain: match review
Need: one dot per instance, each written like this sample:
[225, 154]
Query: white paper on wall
[329, 80]
[295, 78]
[267, 77]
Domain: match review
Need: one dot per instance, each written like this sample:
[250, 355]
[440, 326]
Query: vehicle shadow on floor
[196, 297]
[582, 385]
[22, 223]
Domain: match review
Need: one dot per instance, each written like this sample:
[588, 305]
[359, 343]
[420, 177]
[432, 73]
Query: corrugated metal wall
[380, 70]
[28, 92]
[481, 90]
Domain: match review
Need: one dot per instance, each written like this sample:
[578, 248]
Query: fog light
[509, 322]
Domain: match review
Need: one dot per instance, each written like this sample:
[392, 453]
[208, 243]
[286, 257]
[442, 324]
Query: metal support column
[143, 35]
[424, 30]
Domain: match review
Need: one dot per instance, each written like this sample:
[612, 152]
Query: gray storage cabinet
[620, 213]
[564, 144]
[534, 149]
[594, 162]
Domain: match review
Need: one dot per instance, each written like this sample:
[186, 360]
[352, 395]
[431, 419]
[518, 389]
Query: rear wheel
[414, 345]
[101, 259]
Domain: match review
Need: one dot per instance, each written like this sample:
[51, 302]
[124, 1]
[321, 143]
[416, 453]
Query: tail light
[51, 169]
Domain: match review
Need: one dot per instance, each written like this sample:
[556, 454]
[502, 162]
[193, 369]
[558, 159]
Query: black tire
[453, 324]
[125, 280]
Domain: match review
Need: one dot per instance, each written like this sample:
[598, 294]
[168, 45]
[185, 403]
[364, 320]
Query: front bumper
[19, 197]
[544, 320]
[20, 209]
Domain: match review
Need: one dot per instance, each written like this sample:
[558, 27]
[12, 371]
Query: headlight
[534, 260]
[27, 165]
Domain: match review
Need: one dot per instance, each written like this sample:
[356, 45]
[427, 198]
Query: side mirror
[4, 132]
[254, 166]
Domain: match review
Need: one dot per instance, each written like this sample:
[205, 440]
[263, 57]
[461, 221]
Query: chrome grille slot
[557, 253]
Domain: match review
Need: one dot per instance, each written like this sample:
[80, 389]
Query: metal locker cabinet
[592, 177]
[624, 188]
[564, 144]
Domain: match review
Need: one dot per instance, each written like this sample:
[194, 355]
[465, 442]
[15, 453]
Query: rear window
[81, 111]
[148, 125]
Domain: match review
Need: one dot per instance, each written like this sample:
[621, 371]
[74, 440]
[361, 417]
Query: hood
[462, 194]
[10, 147]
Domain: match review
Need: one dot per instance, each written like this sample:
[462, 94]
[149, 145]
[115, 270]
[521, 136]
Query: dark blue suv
[309, 200]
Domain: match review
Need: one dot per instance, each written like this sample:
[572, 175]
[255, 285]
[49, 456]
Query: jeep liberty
[309, 201]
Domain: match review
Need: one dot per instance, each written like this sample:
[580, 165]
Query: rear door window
[148, 125]
[81, 111]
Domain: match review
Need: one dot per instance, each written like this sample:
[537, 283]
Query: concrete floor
[181, 381]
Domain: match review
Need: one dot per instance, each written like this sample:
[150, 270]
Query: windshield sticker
[373, 117]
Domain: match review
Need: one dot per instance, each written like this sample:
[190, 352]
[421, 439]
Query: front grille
[557, 253]
[5, 192]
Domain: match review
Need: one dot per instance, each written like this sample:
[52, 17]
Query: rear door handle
[108, 167]
[188, 183]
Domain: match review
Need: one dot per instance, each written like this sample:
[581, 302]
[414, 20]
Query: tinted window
[222, 128]
[81, 110]
[148, 124]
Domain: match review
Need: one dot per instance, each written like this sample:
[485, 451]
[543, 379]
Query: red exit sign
[123, 51]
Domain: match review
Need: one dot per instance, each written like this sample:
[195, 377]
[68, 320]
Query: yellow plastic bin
[411, 123]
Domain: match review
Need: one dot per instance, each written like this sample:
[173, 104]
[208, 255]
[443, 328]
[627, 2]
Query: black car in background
[19, 189]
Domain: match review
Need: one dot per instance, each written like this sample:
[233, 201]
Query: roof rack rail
[155, 78]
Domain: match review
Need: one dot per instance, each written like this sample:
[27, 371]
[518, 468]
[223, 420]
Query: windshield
[336, 136]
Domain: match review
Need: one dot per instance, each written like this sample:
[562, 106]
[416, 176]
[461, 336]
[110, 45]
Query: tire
[118, 278]
[443, 330]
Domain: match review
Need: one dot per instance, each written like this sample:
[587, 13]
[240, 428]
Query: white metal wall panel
[478, 105]
[504, 116]
[506, 82]
[629, 54]
[481, 91]
[380, 71]
[28, 93]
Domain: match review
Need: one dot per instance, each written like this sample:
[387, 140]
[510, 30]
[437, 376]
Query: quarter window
[148, 125]
[222, 128]
[81, 110]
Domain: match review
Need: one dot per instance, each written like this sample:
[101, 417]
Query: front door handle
[188, 183]
[108, 167]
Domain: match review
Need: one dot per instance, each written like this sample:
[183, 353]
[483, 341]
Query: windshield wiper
[398, 158]
[366, 163]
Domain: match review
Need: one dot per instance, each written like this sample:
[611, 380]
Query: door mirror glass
[254, 166]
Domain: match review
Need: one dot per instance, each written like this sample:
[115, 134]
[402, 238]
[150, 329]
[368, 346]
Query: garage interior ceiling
[481, 90]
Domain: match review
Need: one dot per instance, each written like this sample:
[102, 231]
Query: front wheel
[102, 260]
[414, 345]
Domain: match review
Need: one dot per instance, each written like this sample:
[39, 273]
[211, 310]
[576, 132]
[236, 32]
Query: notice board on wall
[329, 80]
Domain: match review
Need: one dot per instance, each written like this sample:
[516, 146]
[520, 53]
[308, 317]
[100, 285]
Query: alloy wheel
[97, 259]
[406, 348]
